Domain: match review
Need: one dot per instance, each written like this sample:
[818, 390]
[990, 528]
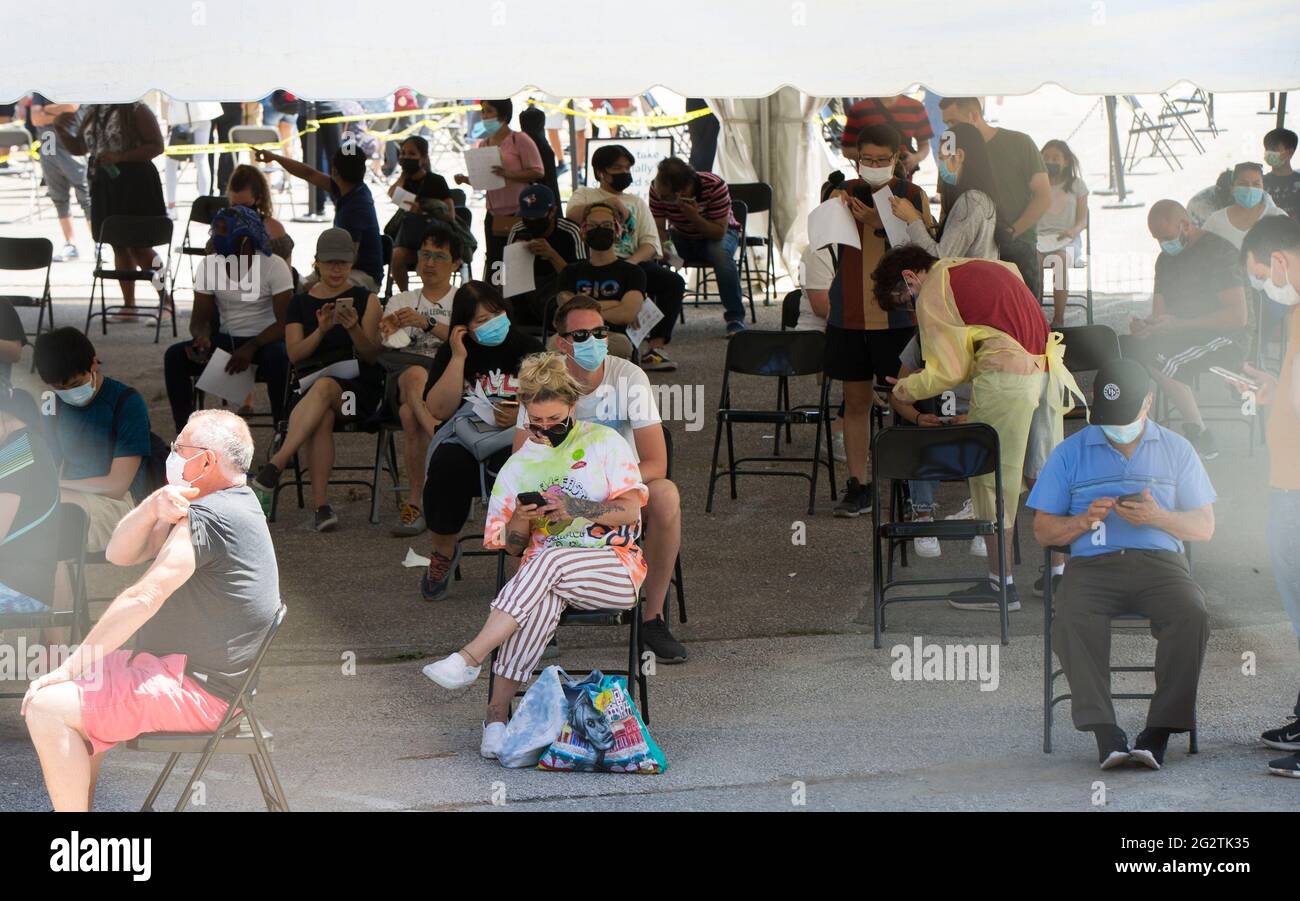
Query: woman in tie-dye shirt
[579, 547]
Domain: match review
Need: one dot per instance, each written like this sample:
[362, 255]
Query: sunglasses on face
[579, 335]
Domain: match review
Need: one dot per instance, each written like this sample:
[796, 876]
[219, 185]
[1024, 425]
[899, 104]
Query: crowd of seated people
[956, 308]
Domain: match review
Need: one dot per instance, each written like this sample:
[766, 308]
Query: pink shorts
[147, 694]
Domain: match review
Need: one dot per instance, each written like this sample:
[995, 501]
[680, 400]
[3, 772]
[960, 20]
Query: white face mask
[176, 470]
[876, 176]
[1284, 294]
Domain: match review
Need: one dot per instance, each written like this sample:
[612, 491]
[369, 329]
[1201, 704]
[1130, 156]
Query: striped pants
[585, 578]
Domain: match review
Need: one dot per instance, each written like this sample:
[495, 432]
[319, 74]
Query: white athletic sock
[1058, 569]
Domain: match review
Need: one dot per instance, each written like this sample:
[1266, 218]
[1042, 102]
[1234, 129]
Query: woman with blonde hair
[569, 501]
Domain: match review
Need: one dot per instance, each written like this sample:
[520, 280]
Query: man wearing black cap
[1125, 493]
[554, 242]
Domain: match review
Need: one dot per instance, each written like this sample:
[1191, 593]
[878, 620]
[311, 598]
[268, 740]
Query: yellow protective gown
[1008, 384]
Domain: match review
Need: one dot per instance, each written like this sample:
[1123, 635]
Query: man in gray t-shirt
[197, 616]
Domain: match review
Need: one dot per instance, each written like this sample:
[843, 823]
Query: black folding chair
[1087, 349]
[1131, 622]
[939, 453]
[700, 294]
[1074, 300]
[133, 231]
[382, 424]
[678, 583]
[774, 354]
[24, 255]
[204, 208]
[71, 526]
[386, 251]
[757, 198]
[240, 732]
[1157, 132]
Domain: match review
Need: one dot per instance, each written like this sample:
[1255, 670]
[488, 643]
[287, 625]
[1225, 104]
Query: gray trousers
[1155, 584]
[64, 172]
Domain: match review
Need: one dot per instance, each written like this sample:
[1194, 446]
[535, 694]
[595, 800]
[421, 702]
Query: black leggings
[451, 485]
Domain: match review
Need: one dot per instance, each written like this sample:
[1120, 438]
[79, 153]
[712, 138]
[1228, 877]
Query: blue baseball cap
[536, 201]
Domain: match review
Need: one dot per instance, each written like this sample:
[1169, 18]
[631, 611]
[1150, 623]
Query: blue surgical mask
[945, 173]
[1248, 197]
[1125, 434]
[78, 396]
[494, 331]
[1174, 246]
[591, 353]
[486, 128]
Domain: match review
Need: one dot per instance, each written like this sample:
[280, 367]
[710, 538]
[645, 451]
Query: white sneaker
[452, 672]
[977, 547]
[927, 546]
[494, 736]
[967, 511]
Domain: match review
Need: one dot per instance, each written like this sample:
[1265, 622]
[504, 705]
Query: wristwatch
[429, 326]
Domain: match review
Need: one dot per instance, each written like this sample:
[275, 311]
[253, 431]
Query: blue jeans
[922, 494]
[721, 255]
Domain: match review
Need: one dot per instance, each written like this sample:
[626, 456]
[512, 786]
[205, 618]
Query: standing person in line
[969, 224]
[63, 172]
[198, 118]
[521, 165]
[121, 141]
[1271, 255]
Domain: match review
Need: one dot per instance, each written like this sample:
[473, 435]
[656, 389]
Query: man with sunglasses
[195, 618]
[616, 393]
[617, 285]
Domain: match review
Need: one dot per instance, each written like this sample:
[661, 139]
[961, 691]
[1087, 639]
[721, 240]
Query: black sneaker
[656, 637]
[983, 596]
[1284, 738]
[1039, 584]
[855, 500]
[435, 581]
[1149, 749]
[325, 519]
[1203, 440]
[1286, 766]
[1112, 746]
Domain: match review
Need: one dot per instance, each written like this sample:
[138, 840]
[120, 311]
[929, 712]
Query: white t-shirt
[1064, 209]
[640, 227]
[816, 272]
[244, 291]
[422, 342]
[1219, 224]
[623, 401]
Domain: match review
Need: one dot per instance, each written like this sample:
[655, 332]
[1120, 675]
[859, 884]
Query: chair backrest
[772, 353]
[14, 136]
[458, 197]
[136, 231]
[26, 253]
[1089, 347]
[941, 453]
[206, 207]
[74, 526]
[790, 309]
[740, 210]
[668, 443]
[250, 678]
[254, 134]
[756, 195]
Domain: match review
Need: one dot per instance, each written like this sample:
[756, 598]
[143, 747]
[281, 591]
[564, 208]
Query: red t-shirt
[987, 293]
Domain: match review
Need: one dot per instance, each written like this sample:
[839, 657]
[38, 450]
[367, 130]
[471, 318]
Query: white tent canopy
[92, 51]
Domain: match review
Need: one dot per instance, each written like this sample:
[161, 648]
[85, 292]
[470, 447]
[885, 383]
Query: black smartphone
[1135, 498]
[532, 498]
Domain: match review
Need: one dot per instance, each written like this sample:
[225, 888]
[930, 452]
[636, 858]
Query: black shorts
[861, 356]
[1182, 356]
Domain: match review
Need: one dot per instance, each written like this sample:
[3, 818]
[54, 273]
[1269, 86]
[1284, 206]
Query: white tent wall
[243, 49]
[776, 139]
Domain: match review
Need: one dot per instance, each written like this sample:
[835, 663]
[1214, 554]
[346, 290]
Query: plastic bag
[537, 722]
[603, 732]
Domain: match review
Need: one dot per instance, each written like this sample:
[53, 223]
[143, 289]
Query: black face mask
[620, 181]
[536, 228]
[600, 238]
[558, 432]
[1053, 171]
[409, 166]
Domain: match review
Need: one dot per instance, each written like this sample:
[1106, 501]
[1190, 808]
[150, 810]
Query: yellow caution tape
[651, 121]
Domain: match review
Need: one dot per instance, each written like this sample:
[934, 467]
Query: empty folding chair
[766, 353]
[134, 231]
[757, 198]
[938, 453]
[25, 255]
[240, 733]
[1158, 133]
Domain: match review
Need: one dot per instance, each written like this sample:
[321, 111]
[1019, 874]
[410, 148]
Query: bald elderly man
[1198, 314]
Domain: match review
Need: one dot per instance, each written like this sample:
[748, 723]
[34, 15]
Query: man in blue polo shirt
[1125, 493]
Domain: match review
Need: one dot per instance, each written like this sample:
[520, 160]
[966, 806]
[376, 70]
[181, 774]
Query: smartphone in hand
[1131, 499]
[532, 498]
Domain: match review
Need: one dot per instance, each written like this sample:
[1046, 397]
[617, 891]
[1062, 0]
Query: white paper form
[647, 319]
[479, 161]
[832, 223]
[215, 379]
[519, 276]
[895, 228]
